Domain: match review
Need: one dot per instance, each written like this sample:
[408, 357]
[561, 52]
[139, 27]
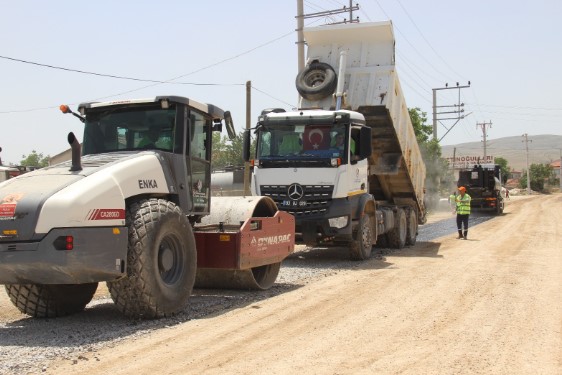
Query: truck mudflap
[243, 254]
[66, 256]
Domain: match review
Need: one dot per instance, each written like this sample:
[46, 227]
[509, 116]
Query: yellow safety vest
[463, 204]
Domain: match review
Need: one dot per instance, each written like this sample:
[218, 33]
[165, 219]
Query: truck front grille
[315, 198]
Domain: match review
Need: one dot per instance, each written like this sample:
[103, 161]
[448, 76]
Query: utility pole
[327, 13]
[300, 25]
[248, 126]
[300, 35]
[483, 125]
[527, 156]
[458, 109]
[560, 171]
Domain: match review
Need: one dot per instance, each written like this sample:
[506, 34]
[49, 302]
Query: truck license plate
[289, 203]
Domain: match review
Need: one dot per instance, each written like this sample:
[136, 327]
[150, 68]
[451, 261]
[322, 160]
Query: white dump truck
[134, 209]
[346, 164]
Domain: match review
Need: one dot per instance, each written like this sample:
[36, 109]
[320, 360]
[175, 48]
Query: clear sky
[511, 51]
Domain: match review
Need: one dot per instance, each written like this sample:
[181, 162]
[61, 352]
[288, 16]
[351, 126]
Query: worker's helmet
[462, 188]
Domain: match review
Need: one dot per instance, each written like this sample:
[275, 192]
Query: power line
[154, 82]
[115, 76]
[405, 83]
[522, 107]
[171, 80]
[425, 39]
[405, 62]
[411, 45]
[284, 102]
[208, 66]
[57, 106]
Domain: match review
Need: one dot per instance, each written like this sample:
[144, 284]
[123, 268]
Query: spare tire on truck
[316, 81]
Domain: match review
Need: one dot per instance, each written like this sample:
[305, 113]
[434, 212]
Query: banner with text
[469, 161]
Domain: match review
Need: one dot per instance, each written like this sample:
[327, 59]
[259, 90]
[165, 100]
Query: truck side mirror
[365, 145]
[229, 125]
[246, 145]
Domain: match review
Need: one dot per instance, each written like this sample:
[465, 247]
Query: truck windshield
[126, 129]
[301, 142]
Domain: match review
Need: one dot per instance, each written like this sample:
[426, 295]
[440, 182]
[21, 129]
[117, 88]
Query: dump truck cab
[330, 149]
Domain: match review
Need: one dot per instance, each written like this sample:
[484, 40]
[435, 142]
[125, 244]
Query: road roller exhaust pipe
[76, 151]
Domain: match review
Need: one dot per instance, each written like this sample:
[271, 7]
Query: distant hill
[542, 149]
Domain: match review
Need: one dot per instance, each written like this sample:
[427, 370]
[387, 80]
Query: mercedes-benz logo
[295, 192]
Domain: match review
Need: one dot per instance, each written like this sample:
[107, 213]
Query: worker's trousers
[462, 220]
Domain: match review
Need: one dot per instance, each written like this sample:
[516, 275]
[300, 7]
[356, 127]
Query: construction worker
[452, 201]
[462, 201]
[153, 139]
[339, 142]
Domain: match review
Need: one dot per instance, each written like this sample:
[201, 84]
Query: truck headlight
[338, 222]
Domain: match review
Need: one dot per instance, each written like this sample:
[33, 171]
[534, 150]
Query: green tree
[35, 160]
[539, 173]
[228, 152]
[439, 177]
[421, 129]
[504, 168]
[218, 158]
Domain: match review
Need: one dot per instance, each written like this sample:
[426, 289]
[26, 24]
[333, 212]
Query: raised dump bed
[372, 88]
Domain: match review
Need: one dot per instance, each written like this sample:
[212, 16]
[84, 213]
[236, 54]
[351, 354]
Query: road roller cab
[133, 208]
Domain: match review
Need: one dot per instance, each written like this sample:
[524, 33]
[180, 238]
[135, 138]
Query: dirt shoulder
[489, 305]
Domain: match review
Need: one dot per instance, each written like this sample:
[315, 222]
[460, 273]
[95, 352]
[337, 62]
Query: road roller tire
[161, 261]
[257, 278]
[265, 276]
[51, 301]
[362, 244]
[397, 236]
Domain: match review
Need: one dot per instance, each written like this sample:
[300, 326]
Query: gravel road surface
[489, 305]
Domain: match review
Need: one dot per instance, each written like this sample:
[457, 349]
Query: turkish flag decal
[316, 138]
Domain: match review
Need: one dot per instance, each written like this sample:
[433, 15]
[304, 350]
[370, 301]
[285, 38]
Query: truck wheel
[397, 236]
[161, 261]
[499, 206]
[382, 241]
[412, 232]
[362, 244]
[316, 81]
[51, 301]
